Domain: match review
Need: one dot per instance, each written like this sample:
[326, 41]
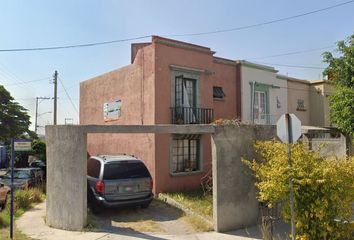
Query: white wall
[250, 74]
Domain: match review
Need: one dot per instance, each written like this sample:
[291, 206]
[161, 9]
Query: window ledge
[180, 174]
[219, 99]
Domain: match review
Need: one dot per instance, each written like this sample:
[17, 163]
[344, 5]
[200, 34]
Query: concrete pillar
[66, 177]
[234, 197]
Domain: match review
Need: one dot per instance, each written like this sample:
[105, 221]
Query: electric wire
[292, 66]
[26, 82]
[177, 35]
[67, 94]
[263, 23]
[293, 53]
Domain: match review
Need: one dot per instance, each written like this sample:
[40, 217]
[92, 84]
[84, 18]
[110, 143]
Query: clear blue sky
[26, 24]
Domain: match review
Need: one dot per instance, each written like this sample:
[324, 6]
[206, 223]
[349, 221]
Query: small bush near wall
[323, 188]
[23, 200]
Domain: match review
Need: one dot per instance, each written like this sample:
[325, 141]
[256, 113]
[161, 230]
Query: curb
[186, 210]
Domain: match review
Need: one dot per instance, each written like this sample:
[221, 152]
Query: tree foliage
[14, 120]
[342, 109]
[39, 148]
[340, 70]
[323, 188]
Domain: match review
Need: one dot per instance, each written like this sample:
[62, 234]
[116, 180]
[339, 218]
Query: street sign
[22, 145]
[283, 128]
[289, 131]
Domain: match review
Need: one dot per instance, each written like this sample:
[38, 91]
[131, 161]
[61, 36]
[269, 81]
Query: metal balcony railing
[191, 115]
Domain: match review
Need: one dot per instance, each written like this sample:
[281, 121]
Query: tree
[14, 120]
[39, 148]
[340, 71]
[323, 188]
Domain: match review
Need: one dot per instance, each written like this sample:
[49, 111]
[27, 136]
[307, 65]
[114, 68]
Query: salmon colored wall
[149, 102]
[137, 108]
[225, 77]
[217, 74]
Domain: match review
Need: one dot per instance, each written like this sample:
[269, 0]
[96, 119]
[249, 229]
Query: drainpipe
[252, 101]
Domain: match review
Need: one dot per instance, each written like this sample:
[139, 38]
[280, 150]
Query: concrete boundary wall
[234, 197]
[67, 168]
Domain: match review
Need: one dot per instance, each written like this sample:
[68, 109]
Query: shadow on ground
[280, 231]
[159, 217]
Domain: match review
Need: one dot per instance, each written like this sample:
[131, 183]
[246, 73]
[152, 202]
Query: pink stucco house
[173, 82]
[167, 82]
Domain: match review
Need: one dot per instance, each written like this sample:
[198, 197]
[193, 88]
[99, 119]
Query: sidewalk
[32, 224]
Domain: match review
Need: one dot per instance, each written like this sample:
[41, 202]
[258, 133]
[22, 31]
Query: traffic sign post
[289, 131]
[17, 145]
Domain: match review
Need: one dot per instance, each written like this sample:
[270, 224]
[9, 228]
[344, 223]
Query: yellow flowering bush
[323, 188]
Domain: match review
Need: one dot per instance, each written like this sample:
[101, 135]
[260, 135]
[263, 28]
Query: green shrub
[323, 188]
[23, 200]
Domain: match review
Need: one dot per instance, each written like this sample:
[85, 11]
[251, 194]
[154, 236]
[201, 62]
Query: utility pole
[55, 81]
[36, 117]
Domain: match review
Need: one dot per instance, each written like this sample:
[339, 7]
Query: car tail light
[151, 184]
[99, 187]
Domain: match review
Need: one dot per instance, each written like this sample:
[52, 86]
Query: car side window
[93, 168]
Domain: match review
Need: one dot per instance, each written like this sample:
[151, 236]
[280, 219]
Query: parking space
[157, 218]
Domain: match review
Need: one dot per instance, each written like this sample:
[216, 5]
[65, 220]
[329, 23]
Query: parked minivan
[115, 181]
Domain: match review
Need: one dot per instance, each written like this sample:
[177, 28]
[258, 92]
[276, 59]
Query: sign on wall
[112, 110]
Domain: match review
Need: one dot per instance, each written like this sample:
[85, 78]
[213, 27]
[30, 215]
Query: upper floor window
[185, 92]
[218, 93]
[300, 105]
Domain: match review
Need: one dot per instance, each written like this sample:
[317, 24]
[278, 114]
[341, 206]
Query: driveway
[33, 225]
[157, 218]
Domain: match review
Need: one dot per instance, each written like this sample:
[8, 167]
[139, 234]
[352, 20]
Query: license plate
[126, 189]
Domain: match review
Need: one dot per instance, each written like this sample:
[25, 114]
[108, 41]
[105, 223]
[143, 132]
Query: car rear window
[124, 170]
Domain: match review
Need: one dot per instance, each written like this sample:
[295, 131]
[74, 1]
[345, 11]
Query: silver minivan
[119, 180]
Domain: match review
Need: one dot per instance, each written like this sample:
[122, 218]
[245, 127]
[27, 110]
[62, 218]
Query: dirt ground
[157, 218]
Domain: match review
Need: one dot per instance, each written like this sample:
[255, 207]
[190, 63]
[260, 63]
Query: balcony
[191, 115]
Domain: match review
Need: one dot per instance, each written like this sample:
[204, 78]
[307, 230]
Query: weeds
[23, 200]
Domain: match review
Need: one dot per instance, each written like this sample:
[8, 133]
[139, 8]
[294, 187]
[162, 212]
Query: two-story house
[174, 82]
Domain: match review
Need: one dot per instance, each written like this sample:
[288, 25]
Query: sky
[31, 24]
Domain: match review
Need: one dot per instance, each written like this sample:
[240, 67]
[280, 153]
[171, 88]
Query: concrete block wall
[234, 197]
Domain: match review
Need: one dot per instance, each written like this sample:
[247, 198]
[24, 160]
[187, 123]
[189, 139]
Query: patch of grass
[92, 222]
[5, 234]
[23, 200]
[196, 201]
[197, 224]
[142, 226]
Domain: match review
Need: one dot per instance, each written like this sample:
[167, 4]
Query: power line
[67, 94]
[293, 53]
[263, 23]
[21, 83]
[293, 66]
[177, 35]
[72, 46]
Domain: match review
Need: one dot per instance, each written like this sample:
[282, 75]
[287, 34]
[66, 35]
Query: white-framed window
[260, 107]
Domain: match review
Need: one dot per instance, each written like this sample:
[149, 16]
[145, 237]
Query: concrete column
[66, 177]
[234, 197]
